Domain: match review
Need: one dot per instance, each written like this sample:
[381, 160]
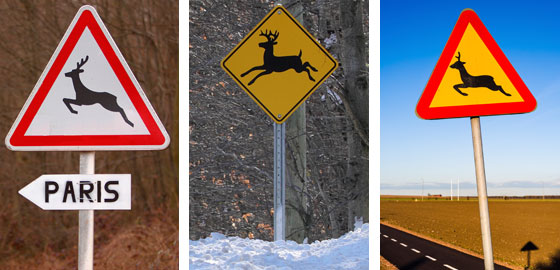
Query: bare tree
[353, 59]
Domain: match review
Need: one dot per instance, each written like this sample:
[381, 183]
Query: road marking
[450, 267]
[385, 236]
[431, 258]
[415, 250]
[404, 245]
[393, 239]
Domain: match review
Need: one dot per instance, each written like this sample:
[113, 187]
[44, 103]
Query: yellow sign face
[478, 61]
[279, 64]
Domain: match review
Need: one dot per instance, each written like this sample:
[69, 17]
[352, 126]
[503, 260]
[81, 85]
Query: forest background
[146, 32]
[231, 139]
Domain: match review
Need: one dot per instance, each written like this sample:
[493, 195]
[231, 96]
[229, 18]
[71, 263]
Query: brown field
[513, 223]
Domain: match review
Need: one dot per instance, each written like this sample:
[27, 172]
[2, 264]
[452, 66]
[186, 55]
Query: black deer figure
[273, 63]
[474, 81]
[84, 96]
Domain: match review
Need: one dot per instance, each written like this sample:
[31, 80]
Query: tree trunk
[296, 164]
[353, 60]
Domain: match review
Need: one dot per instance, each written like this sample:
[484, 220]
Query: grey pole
[458, 190]
[451, 189]
[482, 196]
[85, 234]
[279, 181]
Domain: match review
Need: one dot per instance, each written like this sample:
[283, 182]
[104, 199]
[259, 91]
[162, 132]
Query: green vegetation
[513, 223]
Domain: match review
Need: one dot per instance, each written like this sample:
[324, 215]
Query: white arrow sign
[80, 192]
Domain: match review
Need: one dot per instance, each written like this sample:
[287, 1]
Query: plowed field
[513, 223]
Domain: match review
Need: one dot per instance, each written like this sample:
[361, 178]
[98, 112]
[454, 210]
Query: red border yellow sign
[428, 108]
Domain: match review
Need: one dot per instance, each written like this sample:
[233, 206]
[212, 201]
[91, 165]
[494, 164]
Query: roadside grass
[150, 243]
[386, 265]
[513, 223]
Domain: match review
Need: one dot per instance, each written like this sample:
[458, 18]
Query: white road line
[385, 236]
[431, 258]
[393, 239]
[450, 267]
[404, 245]
[415, 250]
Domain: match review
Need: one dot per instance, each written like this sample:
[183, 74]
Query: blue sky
[522, 152]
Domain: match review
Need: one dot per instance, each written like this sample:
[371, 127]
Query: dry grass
[142, 246]
[513, 223]
[147, 245]
[47, 260]
[386, 265]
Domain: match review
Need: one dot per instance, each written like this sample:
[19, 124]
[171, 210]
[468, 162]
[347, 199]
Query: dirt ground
[513, 223]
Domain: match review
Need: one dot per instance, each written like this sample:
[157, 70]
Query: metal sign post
[279, 181]
[482, 196]
[85, 234]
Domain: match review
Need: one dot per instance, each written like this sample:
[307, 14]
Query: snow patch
[217, 252]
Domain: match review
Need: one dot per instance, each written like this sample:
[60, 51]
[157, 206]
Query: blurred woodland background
[231, 139]
[146, 32]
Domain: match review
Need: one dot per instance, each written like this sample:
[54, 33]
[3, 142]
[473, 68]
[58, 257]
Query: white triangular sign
[87, 98]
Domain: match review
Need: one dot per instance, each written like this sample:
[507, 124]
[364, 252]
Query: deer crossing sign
[279, 64]
[87, 98]
[473, 77]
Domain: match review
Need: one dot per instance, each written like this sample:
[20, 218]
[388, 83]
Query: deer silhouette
[273, 63]
[474, 81]
[85, 96]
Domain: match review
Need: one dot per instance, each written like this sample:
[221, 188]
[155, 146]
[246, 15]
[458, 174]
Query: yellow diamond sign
[279, 64]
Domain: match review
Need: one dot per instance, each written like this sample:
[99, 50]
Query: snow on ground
[350, 251]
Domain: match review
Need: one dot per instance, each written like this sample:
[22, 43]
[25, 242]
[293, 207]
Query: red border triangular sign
[153, 137]
[426, 110]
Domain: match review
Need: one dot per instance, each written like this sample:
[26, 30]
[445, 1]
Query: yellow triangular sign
[473, 77]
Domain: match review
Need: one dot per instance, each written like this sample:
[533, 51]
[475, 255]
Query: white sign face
[87, 98]
[80, 192]
[55, 118]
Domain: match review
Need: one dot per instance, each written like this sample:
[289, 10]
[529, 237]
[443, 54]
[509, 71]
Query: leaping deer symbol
[474, 81]
[84, 96]
[273, 63]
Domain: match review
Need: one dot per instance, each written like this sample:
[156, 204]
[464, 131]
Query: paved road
[407, 251]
